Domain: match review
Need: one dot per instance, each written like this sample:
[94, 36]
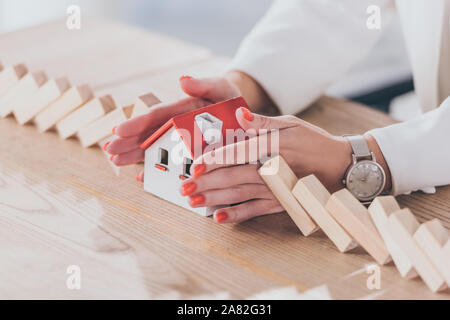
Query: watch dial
[365, 180]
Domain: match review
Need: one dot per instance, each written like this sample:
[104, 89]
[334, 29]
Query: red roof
[188, 130]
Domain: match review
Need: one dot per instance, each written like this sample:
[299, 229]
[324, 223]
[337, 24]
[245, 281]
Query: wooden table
[62, 205]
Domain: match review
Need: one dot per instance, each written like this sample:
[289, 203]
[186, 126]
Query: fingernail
[247, 114]
[106, 145]
[185, 77]
[221, 216]
[197, 200]
[114, 130]
[112, 157]
[138, 178]
[188, 188]
[199, 170]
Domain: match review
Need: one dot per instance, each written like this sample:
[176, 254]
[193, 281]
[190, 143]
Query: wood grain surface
[62, 205]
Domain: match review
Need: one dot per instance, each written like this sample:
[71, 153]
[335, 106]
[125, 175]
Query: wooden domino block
[73, 99]
[313, 197]
[46, 95]
[446, 252]
[85, 115]
[101, 128]
[26, 87]
[380, 210]
[280, 178]
[9, 77]
[355, 219]
[403, 225]
[431, 237]
[143, 103]
[1, 66]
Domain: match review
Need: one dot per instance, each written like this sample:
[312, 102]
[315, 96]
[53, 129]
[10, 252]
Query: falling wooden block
[9, 77]
[47, 94]
[25, 88]
[280, 178]
[403, 225]
[446, 252]
[313, 197]
[101, 128]
[85, 115]
[431, 237]
[355, 219]
[73, 99]
[380, 210]
[143, 103]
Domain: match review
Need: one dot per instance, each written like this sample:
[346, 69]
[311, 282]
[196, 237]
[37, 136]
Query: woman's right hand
[125, 149]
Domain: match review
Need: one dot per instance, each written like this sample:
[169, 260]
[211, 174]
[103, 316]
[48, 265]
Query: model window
[187, 166]
[163, 156]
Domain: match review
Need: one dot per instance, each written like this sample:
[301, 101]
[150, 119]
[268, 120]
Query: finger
[221, 179]
[140, 177]
[125, 159]
[247, 151]
[157, 116]
[213, 89]
[254, 122]
[122, 145]
[231, 195]
[247, 210]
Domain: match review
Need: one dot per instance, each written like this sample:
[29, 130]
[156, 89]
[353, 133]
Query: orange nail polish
[247, 114]
[141, 177]
[188, 188]
[114, 130]
[106, 145]
[185, 77]
[199, 170]
[112, 157]
[197, 200]
[138, 177]
[221, 216]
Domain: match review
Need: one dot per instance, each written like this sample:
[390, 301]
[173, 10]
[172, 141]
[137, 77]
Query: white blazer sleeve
[418, 151]
[301, 46]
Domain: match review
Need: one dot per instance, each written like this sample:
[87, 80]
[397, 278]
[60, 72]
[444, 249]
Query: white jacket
[300, 47]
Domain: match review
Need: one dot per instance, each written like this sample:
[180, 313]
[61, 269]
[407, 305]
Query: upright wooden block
[355, 219]
[313, 197]
[85, 115]
[101, 128]
[431, 237]
[73, 99]
[46, 95]
[403, 225]
[9, 77]
[380, 210]
[143, 103]
[280, 178]
[25, 88]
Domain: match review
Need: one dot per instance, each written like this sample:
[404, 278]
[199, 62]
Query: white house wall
[166, 184]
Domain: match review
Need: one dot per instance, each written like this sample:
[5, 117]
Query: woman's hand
[307, 149]
[125, 149]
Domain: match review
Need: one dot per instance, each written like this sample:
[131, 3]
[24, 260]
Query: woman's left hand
[306, 148]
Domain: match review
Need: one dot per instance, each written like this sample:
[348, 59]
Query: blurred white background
[216, 24]
[220, 25]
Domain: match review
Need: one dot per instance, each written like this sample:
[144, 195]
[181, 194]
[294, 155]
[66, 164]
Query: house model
[170, 151]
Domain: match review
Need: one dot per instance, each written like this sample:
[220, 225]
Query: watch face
[366, 180]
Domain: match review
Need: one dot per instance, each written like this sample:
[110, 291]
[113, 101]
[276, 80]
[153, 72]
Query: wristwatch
[364, 178]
